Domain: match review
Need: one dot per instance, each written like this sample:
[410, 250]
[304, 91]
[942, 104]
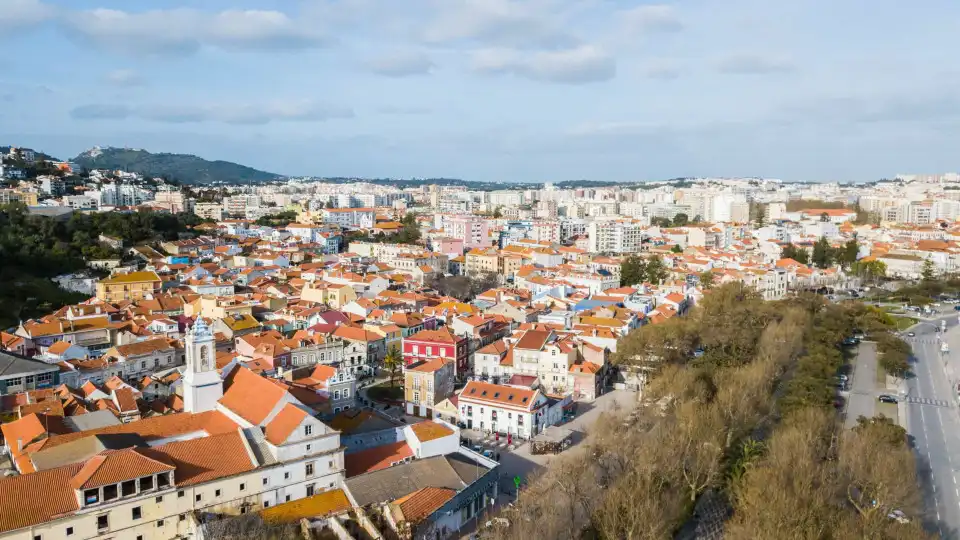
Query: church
[243, 443]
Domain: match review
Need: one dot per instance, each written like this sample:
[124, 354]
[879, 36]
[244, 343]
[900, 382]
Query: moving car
[887, 398]
[911, 334]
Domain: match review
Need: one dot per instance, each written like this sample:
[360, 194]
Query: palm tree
[392, 362]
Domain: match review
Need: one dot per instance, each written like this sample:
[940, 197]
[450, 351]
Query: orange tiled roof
[251, 396]
[430, 430]
[284, 424]
[421, 503]
[376, 458]
[113, 467]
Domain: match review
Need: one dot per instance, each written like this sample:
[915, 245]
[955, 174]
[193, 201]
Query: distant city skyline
[492, 90]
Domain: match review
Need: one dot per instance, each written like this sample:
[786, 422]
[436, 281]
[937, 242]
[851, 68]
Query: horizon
[494, 90]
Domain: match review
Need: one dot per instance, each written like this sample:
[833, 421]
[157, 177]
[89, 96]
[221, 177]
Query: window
[286, 499]
[309, 469]
[416, 397]
[336, 394]
[307, 430]
[266, 481]
[110, 492]
[216, 493]
[103, 522]
[180, 494]
[199, 497]
[183, 517]
[137, 514]
[308, 448]
[69, 531]
[266, 504]
[163, 480]
[330, 464]
[519, 420]
[146, 483]
[139, 537]
[91, 496]
[158, 500]
[286, 476]
[346, 393]
[156, 362]
[310, 489]
[37, 537]
[159, 523]
[243, 487]
[143, 364]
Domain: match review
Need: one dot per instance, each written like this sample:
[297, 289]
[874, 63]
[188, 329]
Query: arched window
[204, 359]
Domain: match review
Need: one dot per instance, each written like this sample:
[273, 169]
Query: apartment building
[353, 218]
[497, 408]
[142, 358]
[131, 286]
[473, 230]
[426, 383]
[615, 236]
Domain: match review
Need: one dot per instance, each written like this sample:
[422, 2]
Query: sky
[494, 90]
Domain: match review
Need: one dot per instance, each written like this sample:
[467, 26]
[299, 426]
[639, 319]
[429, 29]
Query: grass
[889, 410]
[881, 378]
[904, 322]
[385, 392]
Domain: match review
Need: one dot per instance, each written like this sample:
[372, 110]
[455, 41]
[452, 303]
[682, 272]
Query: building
[616, 236]
[21, 374]
[426, 383]
[442, 344]
[142, 358]
[472, 230]
[131, 286]
[355, 218]
[510, 410]
[212, 211]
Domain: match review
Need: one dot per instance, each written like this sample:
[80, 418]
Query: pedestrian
[498, 457]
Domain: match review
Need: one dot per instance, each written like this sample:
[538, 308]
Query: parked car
[887, 398]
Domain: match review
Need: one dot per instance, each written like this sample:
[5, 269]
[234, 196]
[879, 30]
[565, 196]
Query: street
[931, 418]
[862, 398]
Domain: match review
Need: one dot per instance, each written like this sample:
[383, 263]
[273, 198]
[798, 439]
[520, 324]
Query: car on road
[911, 334]
[887, 398]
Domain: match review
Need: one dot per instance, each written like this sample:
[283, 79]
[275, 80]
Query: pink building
[451, 247]
[473, 230]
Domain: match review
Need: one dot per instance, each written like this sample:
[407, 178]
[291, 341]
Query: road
[862, 398]
[933, 421]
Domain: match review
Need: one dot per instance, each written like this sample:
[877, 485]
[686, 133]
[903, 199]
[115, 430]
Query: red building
[440, 343]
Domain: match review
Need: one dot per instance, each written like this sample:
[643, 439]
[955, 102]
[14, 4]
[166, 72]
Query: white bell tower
[202, 387]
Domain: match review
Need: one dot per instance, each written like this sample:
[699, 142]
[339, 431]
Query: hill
[184, 168]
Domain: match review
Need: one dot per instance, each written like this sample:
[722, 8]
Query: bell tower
[202, 387]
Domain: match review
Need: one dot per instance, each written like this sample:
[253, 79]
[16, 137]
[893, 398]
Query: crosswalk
[927, 401]
[926, 341]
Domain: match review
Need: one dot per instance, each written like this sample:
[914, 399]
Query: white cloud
[184, 31]
[652, 18]
[583, 64]
[754, 64]
[498, 23]
[402, 65]
[124, 77]
[21, 13]
[299, 111]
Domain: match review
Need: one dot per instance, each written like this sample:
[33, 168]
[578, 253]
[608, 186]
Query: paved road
[932, 419]
[862, 398]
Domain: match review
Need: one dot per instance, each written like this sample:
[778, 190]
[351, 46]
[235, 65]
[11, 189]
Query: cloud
[652, 18]
[391, 109]
[97, 111]
[124, 77]
[185, 31]
[753, 64]
[498, 23]
[23, 13]
[579, 65]
[662, 70]
[303, 111]
[402, 65]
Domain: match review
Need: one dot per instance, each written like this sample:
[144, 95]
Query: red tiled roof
[284, 424]
[251, 396]
[113, 467]
[374, 459]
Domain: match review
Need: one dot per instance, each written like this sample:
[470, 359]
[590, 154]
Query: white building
[498, 408]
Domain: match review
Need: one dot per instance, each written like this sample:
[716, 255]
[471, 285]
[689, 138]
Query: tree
[680, 220]
[656, 271]
[392, 362]
[824, 217]
[798, 254]
[633, 271]
[847, 255]
[676, 249]
[660, 222]
[497, 212]
[868, 269]
[927, 271]
[706, 280]
[822, 253]
[330, 204]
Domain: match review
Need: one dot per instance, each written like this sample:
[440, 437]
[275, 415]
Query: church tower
[202, 387]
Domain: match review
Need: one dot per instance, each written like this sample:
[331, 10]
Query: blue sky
[532, 90]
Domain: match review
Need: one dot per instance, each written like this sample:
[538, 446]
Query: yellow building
[132, 286]
[335, 296]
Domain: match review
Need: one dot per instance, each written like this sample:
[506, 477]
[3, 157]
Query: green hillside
[184, 168]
